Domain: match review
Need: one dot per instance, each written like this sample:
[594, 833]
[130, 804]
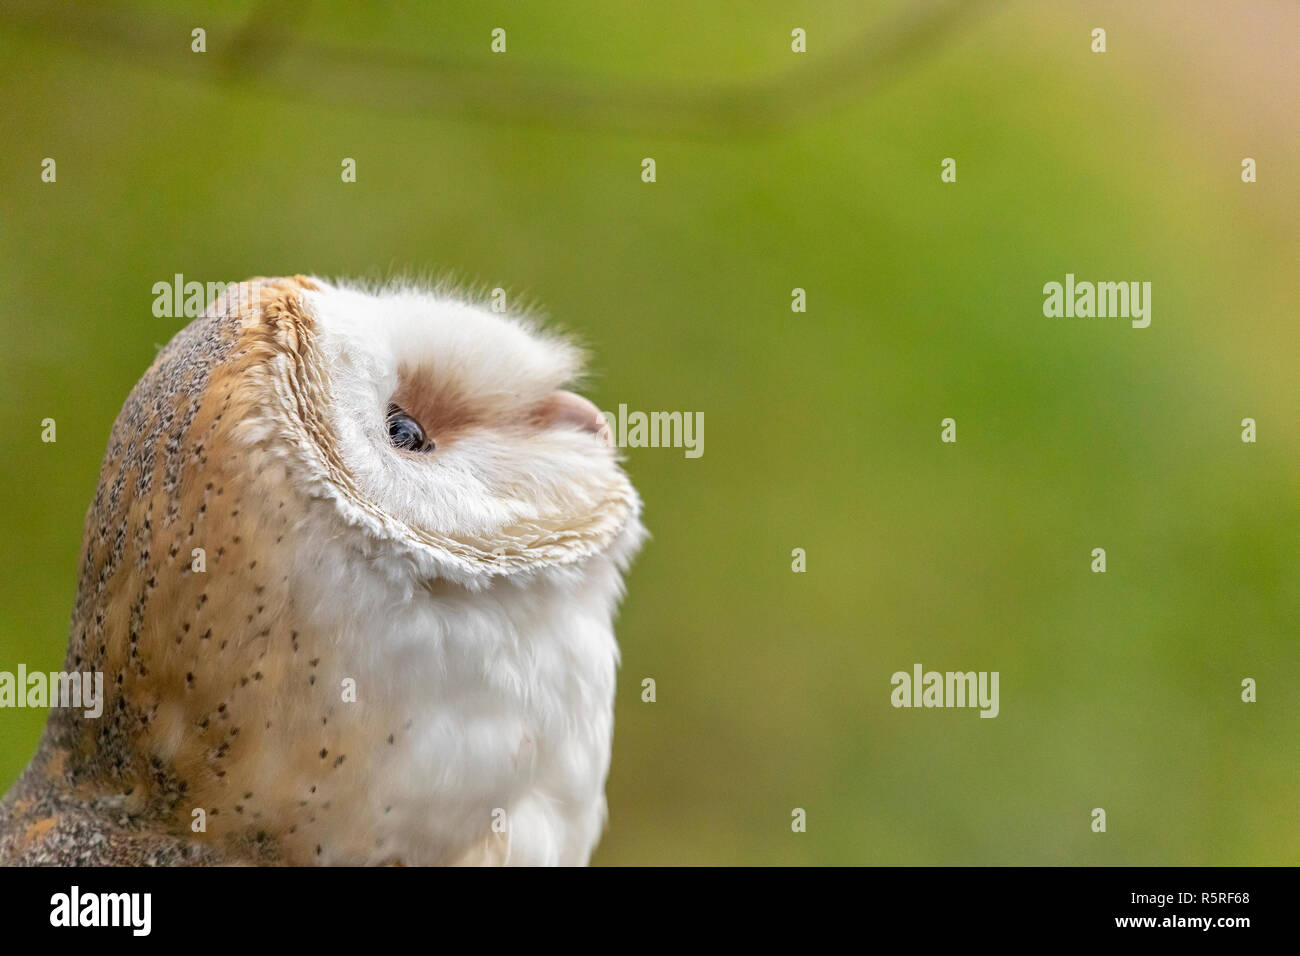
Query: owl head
[442, 429]
[349, 575]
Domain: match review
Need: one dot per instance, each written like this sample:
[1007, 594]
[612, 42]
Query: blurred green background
[775, 171]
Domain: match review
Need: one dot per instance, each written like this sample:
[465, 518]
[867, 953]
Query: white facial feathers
[510, 486]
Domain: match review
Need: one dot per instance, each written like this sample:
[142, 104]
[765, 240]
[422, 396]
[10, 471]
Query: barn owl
[349, 575]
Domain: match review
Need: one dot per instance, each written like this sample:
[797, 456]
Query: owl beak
[566, 408]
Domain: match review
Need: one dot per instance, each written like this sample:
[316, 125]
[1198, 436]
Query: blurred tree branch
[265, 54]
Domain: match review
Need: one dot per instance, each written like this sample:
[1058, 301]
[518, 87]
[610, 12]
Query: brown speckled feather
[197, 665]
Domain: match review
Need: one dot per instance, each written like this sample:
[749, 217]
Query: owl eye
[404, 432]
